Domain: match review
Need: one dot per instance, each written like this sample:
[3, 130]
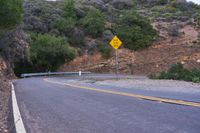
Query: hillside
[155, 35]
[152, 33]
[178, 42]
[160, 56]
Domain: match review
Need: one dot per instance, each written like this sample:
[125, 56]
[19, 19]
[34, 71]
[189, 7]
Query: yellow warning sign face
[115, 42]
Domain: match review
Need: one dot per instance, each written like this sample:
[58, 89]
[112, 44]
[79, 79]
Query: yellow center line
[151, 98]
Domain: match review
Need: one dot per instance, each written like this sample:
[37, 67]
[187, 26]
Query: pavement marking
[19, 125]
[150, 98]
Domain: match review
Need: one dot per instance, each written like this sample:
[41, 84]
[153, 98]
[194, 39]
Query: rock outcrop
[14, 46]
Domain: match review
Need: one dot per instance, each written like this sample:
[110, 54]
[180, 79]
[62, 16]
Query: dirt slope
[157, 58]
[5, 75]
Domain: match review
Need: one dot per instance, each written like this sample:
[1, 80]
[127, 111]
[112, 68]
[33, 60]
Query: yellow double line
[165, 100]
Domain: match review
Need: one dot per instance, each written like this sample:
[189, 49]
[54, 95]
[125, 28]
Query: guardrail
[53, 74]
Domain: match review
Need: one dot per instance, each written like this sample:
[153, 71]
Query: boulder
[91, 46]
[107, 36]
[17, 45]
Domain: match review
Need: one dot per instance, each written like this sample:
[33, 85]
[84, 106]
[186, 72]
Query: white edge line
[19, 125]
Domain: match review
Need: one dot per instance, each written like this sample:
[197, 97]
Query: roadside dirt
[5, 94]
[4, 104]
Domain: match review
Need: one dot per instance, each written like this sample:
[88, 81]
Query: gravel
[154, 85]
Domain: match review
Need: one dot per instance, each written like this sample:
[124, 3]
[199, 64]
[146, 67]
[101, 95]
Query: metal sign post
[116, 43]
[117, 64]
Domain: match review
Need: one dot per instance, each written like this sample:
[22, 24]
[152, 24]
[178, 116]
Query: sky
[195, 1]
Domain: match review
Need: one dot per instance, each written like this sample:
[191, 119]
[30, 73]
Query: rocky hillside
[178, 41]
[157, 58]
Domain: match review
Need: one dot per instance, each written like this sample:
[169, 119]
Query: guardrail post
[79, 73]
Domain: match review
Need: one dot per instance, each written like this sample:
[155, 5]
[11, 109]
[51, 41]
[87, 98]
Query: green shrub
[168, 15]
[178, 72]
[197, 19]
[66, 26]
[105, 51]
[48, 52]
[23, 66]
[195, 72]
[135, 31]
[77, 38]
[196, 79]
[184, 6]
[10, 13]
[69, 20]
[170, 9]
[69, 10]
[174, 9]
[93, 22]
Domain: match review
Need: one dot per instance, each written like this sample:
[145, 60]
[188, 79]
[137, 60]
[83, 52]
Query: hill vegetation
[135, 30]
[178, 72]
[86, 27]
[10, 16]
[78, 24]
[174, 9]
[47, 53]
[11, 13]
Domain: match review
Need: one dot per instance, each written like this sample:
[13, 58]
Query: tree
[67, 24]
[48, 52]
[135, 31]
[94, 22]
[69, 9]
[10, 13]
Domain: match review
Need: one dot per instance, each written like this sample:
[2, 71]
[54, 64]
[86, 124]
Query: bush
[41, 16]
[174, 31]
[10, 13]
[23, 66]
[69, 20]
[66, 26]
[197, 19]
[196, 79]
[48, 52]
[178, 72]
[105, 51]
[184, 6]
[174, 9]
[77, 38]
[94, 22]
[69, 10]
[135, 31]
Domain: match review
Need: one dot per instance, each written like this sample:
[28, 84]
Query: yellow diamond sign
[115, 42]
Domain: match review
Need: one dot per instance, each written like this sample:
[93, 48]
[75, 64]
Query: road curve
[54, 108]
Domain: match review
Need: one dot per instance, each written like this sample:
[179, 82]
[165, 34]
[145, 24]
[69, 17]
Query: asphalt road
[55, 108]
